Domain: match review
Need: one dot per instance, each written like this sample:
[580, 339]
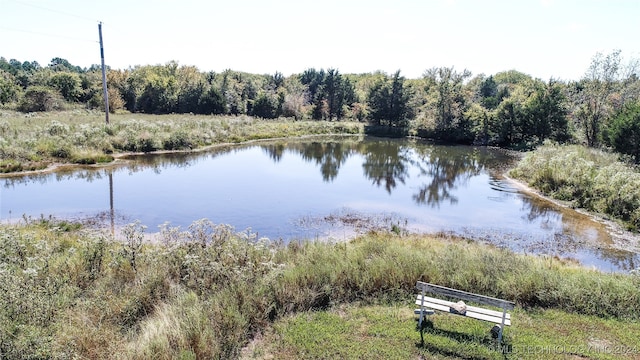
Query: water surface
[323, 188]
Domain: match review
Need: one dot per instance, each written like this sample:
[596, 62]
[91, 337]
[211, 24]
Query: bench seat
[472, 311]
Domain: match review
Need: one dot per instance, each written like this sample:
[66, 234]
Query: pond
[323, 188]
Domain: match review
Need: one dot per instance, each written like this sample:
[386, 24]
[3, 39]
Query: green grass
[587, 178]
[204, 292]
[36, 140]
[389, 332]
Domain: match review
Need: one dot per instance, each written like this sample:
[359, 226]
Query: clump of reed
[589, 178]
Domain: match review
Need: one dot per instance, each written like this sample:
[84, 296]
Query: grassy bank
[36, 140]
[206, 291]
[587, 178]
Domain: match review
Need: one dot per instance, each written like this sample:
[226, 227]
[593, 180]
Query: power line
[47, 34]
[54, 10]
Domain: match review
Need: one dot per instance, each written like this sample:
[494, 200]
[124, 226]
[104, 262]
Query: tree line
[509, 109]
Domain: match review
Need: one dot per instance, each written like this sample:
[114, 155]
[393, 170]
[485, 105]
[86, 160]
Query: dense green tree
[379, 102]
[9, 88]
[68, 84]
[90, 85]
[121, 83]
[388, 101]
[265, 106]
[159, 95]
[449, 100]
[189, 97]
[59, 64]
[328, 93]
[489, 93]
[233, 88]
[22, 71]
[14, 67]
[592, 95]
[508, 122]
[191, 83]
[5, 65]
[313, 80]
[276, 80]
[528, 113]
[399, 110]
[338, 92]
[547, 112]
[624, 131]
[513, 77]
[211, 101]
[155, 88]
[483, 121]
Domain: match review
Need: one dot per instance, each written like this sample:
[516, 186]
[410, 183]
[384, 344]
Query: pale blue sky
[543, 38]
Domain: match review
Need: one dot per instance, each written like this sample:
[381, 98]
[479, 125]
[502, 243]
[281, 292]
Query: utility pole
[104, 77]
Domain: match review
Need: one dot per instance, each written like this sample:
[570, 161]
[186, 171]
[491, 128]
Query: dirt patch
[257, 348]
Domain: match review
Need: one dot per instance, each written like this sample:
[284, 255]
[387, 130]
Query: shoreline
[622, 239]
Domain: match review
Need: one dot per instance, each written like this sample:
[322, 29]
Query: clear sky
[543, 38]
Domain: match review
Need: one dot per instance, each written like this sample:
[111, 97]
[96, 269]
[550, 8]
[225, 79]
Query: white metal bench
[500, 318]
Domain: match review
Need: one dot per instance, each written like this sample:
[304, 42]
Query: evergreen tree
[624, 131]
[388, 101]
[211, 101]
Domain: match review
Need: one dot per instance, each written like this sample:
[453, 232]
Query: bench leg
[504, 317]
[421, 312]
[420, 324]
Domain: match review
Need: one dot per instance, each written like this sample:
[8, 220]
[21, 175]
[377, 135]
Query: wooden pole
[104, 77]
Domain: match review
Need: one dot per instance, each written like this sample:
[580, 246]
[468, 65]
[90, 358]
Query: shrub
[57, 128]
[54, 147]
[9, 166]
[177, 140]
[90, 157]
[40, 98]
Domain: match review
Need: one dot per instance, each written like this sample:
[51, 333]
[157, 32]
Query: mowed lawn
[389, 332]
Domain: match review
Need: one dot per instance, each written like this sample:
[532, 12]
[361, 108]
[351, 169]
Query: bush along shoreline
[587, 178]
[206, 291]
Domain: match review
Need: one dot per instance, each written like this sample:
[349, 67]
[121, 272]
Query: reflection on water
[323, 187]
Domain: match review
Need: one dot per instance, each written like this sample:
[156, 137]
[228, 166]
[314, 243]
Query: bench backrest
[463, 295]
